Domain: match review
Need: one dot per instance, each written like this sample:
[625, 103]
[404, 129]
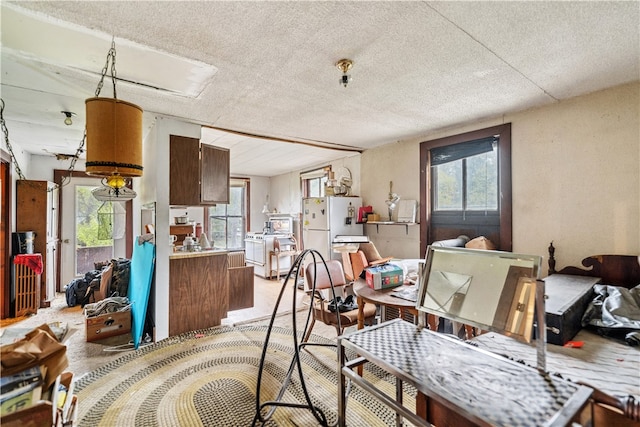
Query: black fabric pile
[347, 304]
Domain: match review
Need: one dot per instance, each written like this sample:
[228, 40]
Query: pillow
[480, 243]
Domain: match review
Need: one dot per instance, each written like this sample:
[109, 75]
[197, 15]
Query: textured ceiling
[267, 68]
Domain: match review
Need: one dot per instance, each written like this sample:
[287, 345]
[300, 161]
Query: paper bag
[40, 347]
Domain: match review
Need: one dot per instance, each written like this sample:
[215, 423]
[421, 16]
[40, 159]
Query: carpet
[209, 377]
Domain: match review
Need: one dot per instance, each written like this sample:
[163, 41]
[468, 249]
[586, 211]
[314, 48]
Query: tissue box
[108, 325]
[384, 276]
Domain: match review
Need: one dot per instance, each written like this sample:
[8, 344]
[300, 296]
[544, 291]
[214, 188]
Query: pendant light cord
[111, 57]
[6, 141]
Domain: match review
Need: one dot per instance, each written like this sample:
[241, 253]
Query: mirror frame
[531, 271]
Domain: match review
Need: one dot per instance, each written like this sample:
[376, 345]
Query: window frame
[466, 185]
[504, 181]
[320, 174]
[246, 208]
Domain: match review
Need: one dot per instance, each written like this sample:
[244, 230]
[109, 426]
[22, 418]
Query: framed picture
[407, 210]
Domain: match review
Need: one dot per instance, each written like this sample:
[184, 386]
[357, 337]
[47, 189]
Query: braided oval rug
[209, 378]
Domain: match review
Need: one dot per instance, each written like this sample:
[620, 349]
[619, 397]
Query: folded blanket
[32, 261]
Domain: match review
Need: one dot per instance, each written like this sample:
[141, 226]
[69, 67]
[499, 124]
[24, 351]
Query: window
[465, 176]
[313, 182]
[227, 222]
[466, 187]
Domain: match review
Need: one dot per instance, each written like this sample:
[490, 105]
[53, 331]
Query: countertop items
[181, 255]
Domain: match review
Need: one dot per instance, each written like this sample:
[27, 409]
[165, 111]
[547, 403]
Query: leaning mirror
[491, 290]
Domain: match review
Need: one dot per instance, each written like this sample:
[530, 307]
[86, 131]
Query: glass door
[82, 243]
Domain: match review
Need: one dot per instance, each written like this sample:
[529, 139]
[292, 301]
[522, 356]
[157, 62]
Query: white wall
[576, 178]
[285, 189]
[156, 182]
[259, 189]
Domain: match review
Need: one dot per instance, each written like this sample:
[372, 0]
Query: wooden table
[383, 297]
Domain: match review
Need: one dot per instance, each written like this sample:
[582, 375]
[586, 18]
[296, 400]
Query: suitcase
[567, 299]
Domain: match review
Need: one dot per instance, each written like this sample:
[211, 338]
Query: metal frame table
[483, 388]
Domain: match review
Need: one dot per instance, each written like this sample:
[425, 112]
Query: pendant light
[114, 134]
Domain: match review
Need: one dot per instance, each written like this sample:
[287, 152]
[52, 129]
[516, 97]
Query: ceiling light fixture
[67, 119]
[114, 134]
[345, 65]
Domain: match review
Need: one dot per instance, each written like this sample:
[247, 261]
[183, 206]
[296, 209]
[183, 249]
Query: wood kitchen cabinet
[37, 211]
[198, 290]
[199, 173]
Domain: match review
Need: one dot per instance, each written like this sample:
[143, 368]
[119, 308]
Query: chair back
[319, 272]
[358, 262]
[370, 252]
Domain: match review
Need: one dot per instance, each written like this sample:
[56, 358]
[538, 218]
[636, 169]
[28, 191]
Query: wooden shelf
[379, 223]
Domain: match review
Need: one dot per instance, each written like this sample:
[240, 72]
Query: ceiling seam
[493, 53]
[336, 147]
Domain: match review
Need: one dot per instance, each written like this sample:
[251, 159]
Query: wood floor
[86, 356]
[265, 296]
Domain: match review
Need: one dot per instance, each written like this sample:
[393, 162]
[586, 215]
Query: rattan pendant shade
[114, 137]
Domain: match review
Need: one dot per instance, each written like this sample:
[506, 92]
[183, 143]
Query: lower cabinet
[198, 291]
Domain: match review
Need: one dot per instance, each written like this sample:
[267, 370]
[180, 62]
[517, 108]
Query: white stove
[257, 247]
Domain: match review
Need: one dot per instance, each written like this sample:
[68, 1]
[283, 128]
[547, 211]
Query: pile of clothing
[615, 312]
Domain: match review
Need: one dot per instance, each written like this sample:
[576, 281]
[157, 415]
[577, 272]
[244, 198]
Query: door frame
[5, 232]
[58, 176]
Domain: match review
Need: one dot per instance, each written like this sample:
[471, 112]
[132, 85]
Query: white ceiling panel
[267, 68]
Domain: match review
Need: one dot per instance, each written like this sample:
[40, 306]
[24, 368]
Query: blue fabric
[142, 263]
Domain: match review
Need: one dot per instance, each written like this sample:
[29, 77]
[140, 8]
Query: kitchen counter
[210, 252]
[198, 290]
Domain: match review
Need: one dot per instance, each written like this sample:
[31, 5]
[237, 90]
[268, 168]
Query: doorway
[5, 226]
[66, 260]
[81, 244]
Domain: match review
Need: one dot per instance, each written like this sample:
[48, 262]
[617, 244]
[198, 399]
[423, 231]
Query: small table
[383, 297]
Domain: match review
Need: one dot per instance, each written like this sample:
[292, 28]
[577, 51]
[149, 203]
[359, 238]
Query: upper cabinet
[199, 173]
[214, 174]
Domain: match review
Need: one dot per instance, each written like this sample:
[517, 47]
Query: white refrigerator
[323, 218]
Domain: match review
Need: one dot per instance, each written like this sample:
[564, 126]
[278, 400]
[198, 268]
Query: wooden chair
[366, 255]
[317, 275]
[289, 251]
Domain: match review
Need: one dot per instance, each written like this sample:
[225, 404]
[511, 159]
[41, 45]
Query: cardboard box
[108, 325]
[567, 299]
[384, 276]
